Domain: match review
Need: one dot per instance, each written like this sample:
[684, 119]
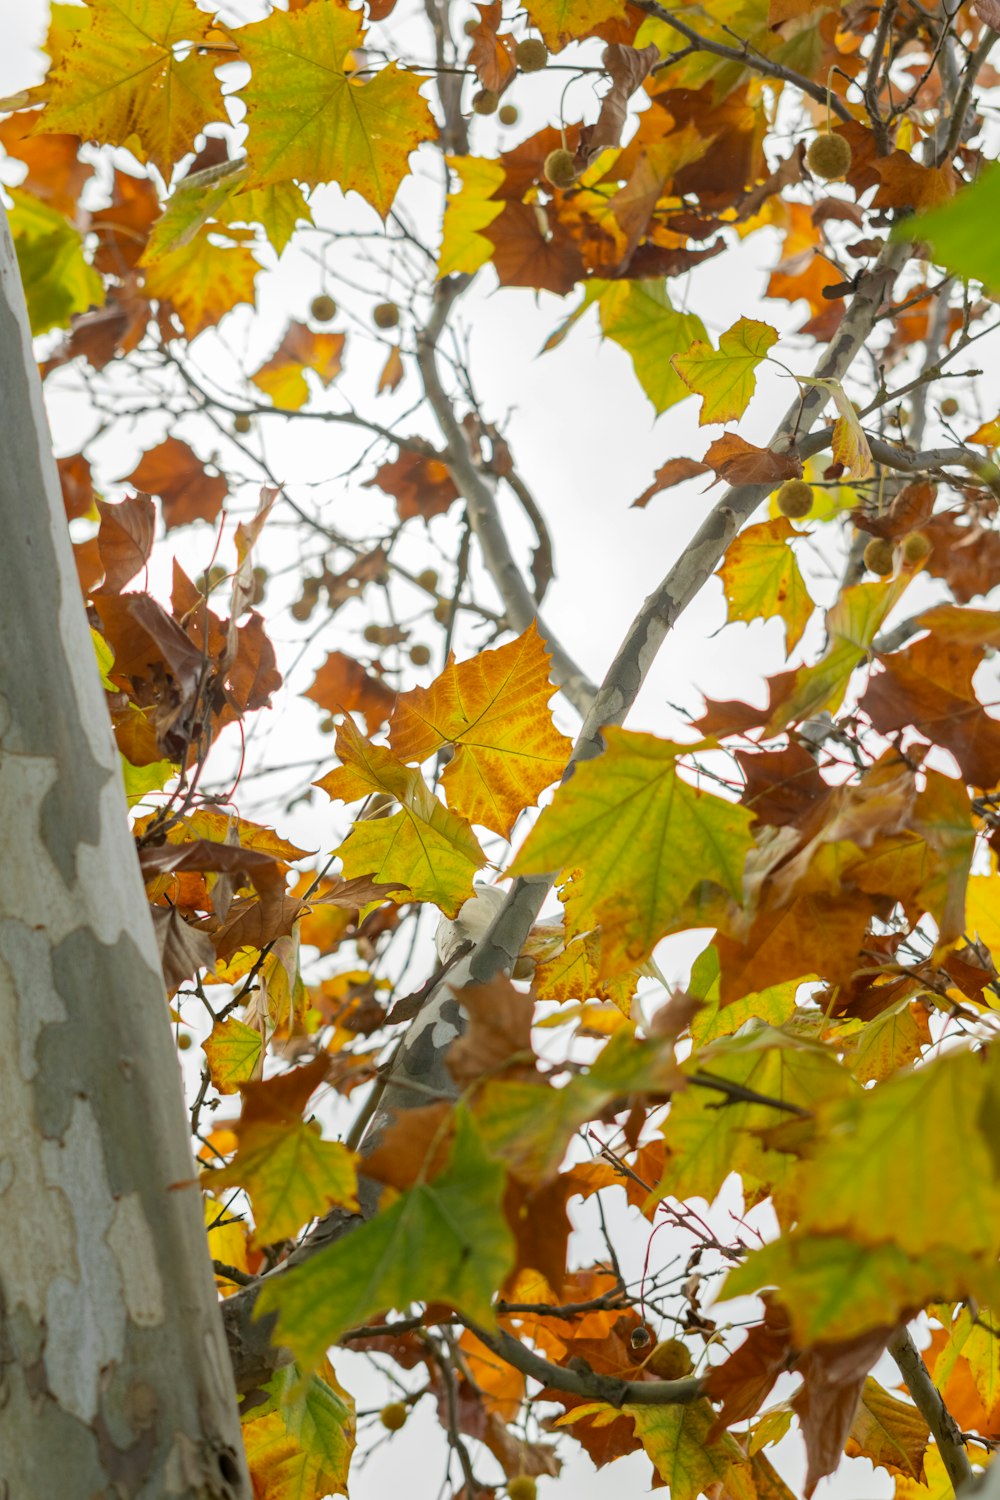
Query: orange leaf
[343, 686]
[172, 471]
[739, 462]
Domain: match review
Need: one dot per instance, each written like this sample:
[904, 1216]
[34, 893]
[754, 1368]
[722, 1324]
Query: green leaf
[962, 234]
[299, 1443]
[676, 1439]
[639, 316]
[58, 282]
[291, 1175]
[441, 1241]
[724, 378]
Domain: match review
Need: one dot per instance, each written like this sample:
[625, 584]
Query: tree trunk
[115, 1379]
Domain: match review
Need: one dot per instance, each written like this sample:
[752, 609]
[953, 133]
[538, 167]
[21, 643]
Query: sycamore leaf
[621, 819]
[937, 1484]
[128, 79]
[891, 1433]
[423, 846]
[309, 121]
[761, 578]
[202, 280]
[850, 446]
[441, 1241]
[639, 316]
[234, 1052]
[724, 378]
[960, 232]
[676, 1438]
[299, 1443]
[493, 709]
[57, 280]
[125, 539]
[739, 462]
[283, 376]
[492, 52]
[175, 473]
[471, 209]
[342, 685]
[560, 21]
[290, 1174]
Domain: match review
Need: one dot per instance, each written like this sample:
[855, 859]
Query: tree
[398, 1177]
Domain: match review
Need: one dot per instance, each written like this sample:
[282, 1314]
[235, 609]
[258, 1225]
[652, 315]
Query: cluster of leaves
[839, 842]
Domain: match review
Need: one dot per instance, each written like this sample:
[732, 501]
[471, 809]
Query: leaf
[132, 78]
[619, 819]
[560, 21]
[299, 1446]
[202, 280]
[125, 539]
[183, 951]
[283, 376]
[639, 316]
[849, 444]
[342, 685]
[290, 1174]
[676, 1438]
[468, 211]
[674, 471]
[57, 280]
[492, 55]
[725, 378]
[493, 709]
[423, 846]
[309, 121]
[960, 232]
[420, 484]
[234, 1052]
[761, 578]
[172, 471]
[441, 1241]
[890, 1433]
[56, 174]
[739, 462]
[627, 67]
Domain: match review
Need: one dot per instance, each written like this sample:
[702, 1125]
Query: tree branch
[928, 1401]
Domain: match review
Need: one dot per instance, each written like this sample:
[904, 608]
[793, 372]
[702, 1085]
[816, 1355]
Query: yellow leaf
[937, 1485]
[290, 1174]
[234, 1051]
[468, 211]
[228, 1241]
[423, 846]
[725, 378]
[309, 121]
[57, 280]
[494, 709]
[761, 578]
[561, 20]
[643, 838]
[676, 1439]
[849, 444]
[131, 77]
[299, 1447]
[283, 376]
[891, 1433]
[202, 280]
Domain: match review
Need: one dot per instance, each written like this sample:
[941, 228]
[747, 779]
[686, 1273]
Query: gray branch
[928, 1401]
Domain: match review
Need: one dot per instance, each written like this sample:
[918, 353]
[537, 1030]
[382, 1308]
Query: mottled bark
[115, 1379]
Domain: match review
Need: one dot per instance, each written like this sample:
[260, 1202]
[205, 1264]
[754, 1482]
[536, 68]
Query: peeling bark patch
[131, 1242]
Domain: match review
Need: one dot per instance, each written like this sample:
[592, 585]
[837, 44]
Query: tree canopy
[394, 1139]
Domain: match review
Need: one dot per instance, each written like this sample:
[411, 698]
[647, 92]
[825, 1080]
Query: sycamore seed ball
[442, 611]
[829, 156]
[916, 547]
[508, 114]
[522, 1487]
[559, 168]
[242, 422]
[428, 579]
[420, 655]
[949, 406]
[879, 556]
[485, 102]
[393, 1416]
[795, 499]
[531, 55]
[323, 308]
[385, 315]
[184, 1041]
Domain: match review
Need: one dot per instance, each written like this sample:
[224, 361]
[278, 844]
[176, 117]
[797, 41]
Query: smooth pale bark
[115, 1378]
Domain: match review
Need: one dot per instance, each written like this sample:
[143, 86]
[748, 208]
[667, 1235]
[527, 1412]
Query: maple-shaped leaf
[444, 1240]
[739, 462]
[342, 685]
[889, 1432]
[677, 1439]
[283, 376]
[420, 484]
[175, 473]
[234, 1052]
[725, 378]
[299, 1441]
[639, 316]
[492, 51]
[959, 233]
[622, 819]
[493, 709]
[57, 279]
[309, 120]
[423, 846]
[761, 578]
[469, 211]
[202, 279]
[289, 1172]
[134, 76]
[560, 21]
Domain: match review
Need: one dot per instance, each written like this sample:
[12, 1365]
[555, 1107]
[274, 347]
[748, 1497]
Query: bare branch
[928, 1401]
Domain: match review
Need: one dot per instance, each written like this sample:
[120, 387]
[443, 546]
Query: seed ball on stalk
[522, 1487]
[559, 168]
[916, 547]
[508, 114]
[485, 102]
[242, 422]
[949, 407]
[393, 1416]
[879, 556]
[795, 499]
[829, 156]
[385, 315]
[420, 655]
[323, 308]
[531, 55]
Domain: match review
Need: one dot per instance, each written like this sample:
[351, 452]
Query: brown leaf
[413, 1145]
[782, 786]
[183, 950]
[674, 471]
[343, 686]
[743, 1382]
[253, 922]
[967, 557]
[351, 584]
[529, 250]
[77, 485]
[283, 1098]
[123, 228]
[905, 183]
[206, 854]
[89, 568]
[172, 471]
[155, 663]
[540, 1225]
[739, 462]
[626, 67]
[499, 1035]
[351, 895]
[419, 484]
[833, 1379]
[392, 372]
[102, 332]
[253, 677]
[492, 55]
[125, 539]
